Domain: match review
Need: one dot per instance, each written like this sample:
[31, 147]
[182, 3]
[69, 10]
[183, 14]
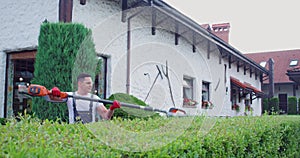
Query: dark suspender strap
[76, 115]
[91, 108]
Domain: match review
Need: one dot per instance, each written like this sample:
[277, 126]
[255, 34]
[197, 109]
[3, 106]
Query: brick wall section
[222, 31]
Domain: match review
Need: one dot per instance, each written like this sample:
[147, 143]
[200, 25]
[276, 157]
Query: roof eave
[213, 38]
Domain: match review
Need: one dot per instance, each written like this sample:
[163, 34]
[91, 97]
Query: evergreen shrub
[64, 51]
[292, 105]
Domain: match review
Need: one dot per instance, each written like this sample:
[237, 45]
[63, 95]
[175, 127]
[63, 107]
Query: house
[149, 49]
[294, 74]
[286, 73]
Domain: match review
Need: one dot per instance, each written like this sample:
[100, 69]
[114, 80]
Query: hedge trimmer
[41, 91]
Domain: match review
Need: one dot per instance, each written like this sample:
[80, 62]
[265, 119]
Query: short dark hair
[81, 76]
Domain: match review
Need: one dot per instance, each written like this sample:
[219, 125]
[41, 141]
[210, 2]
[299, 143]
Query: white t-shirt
[82, 105]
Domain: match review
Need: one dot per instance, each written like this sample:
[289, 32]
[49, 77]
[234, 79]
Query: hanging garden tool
[169, 83]
[158, 74]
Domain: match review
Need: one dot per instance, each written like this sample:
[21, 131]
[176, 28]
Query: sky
[255, 25]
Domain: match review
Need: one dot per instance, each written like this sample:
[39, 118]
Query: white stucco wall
[2, 81]
[23, 21]
[284, 89]
[147, 51]
[19, 29]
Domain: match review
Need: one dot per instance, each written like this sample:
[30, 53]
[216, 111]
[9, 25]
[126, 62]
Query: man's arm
[107, 113]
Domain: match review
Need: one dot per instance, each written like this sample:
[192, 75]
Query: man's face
[86, 85]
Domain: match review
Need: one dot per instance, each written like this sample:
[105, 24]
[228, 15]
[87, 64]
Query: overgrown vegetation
[265, 136]
[64, 51]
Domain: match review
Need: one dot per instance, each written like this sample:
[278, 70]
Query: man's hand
[55, 91]
[115, 105]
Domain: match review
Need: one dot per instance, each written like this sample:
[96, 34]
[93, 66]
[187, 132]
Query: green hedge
[64, 51]
[299, 106]
[292, 105]
[266, 136]
[130, 113]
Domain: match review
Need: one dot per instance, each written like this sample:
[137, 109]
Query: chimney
[206, 27]
[222, 31]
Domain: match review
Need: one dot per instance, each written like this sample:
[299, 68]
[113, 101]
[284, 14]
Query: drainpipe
[271, 78]
[65, 10]
[124, 4]
[128, 56]
[271, 82]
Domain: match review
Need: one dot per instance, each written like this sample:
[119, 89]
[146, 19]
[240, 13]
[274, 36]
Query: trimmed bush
[266, 136]
[130, 113]
[64, 51]
[292, 105]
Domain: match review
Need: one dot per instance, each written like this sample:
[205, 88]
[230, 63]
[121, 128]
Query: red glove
[55, 91]
[115, 105]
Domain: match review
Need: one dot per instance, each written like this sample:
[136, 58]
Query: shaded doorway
[20, 68]
[23, 74]
[282, 103]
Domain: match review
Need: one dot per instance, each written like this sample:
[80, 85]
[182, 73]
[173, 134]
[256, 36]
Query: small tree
[292, 105]
[64, 50]
[265, 105]
[274, 105]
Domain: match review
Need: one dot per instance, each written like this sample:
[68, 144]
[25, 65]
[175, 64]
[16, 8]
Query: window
[205, 91]
[188, 92]
[294, 63]
[263, 63]
[101, 77]
[205, 95]
[234, 98]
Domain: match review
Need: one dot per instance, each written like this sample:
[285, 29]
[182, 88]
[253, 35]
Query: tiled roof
[282, 61]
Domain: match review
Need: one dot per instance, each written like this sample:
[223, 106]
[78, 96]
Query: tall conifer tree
[64, 51]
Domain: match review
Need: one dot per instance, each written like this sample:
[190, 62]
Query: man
[83, 110]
